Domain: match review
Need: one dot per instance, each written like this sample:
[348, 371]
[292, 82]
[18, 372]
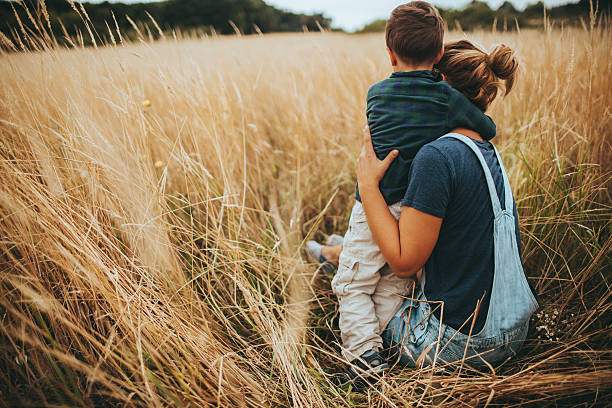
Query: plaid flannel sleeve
[463, 113]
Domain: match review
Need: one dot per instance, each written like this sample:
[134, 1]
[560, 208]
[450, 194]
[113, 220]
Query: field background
[155, 198]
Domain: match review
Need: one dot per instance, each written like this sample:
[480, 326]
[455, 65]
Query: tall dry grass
[154, 199]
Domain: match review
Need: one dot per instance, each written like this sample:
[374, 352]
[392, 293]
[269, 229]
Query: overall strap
[509, 204]
[485, 168]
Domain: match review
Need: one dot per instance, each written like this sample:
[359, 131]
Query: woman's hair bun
[504, 64]
[478, 75]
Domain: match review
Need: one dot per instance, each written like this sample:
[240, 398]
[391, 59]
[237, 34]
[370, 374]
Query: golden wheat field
[155, 198]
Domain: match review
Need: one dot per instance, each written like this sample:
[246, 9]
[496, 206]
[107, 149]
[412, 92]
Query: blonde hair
[476, 74]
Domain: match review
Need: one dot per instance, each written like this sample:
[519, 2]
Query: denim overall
[417, 337]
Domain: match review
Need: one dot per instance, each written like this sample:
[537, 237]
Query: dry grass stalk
[155, 196]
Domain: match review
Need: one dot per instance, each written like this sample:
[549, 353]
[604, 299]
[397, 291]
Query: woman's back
[447, 181]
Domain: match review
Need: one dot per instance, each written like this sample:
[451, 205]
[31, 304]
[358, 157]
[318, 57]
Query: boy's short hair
[415, 32]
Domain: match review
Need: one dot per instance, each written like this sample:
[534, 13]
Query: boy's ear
[439, 57]
[392, 57]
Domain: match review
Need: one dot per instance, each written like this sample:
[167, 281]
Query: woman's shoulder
[450, 146]
[443, 147]
[453, 153]
[433, 158]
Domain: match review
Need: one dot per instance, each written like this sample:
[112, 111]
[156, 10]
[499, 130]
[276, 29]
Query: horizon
[351, 15]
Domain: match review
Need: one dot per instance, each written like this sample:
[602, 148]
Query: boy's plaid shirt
[410, 109]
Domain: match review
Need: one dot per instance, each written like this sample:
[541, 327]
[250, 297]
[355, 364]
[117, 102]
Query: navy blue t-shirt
[447, 181]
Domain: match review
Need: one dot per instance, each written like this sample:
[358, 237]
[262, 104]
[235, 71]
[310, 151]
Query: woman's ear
[392, 57]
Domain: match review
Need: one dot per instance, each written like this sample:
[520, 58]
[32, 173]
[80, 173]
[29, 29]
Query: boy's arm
[463, 113]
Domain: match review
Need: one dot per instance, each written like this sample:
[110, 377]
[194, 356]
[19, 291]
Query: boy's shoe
[365, 369]
[314, 249]
[335, 239]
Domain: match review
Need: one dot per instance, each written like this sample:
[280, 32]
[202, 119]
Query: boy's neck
[403, 67]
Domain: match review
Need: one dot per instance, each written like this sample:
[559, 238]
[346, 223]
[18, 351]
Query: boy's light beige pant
[368, 292]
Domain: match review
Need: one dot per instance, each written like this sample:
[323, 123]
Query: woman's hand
[369, 169]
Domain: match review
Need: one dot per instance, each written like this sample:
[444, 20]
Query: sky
[354, 14]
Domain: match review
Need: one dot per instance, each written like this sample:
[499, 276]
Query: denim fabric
[418, 338]
[411, 339]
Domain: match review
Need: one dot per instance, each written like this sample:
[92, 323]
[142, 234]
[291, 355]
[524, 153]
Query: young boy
[411, 108]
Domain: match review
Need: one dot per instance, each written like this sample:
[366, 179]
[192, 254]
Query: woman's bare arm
[405, 245]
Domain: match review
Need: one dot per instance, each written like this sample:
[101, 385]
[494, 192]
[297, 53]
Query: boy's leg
[354, 284]
[391, 289]
[390, 293]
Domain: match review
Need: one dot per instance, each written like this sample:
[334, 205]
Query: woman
[459, 225]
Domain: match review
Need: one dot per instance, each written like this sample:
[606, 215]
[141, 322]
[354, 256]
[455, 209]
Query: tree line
[68, 17]
[478, 14]
[100, 22]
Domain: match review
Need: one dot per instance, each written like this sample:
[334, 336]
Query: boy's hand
[369, 169]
